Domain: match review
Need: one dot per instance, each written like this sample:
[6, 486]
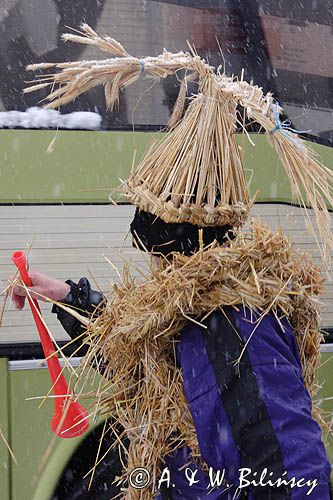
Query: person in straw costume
[210, 364]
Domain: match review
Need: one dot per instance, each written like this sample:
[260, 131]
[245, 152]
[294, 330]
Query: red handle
[69, 418]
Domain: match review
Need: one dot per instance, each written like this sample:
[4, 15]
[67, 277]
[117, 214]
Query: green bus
[55, 199]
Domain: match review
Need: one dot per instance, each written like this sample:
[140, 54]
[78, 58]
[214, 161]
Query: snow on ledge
[50, 118]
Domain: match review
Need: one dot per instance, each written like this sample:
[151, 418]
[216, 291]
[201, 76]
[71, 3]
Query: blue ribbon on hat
[284, 126]
[142, 65]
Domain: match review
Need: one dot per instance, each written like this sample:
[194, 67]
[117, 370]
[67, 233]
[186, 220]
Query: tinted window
[284, 46]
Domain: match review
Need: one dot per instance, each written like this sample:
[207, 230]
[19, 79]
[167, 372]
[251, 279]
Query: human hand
[47, 287]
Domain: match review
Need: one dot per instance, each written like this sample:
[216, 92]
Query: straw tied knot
[285, 125]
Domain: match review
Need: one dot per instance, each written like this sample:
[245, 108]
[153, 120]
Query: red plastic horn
[70, 419]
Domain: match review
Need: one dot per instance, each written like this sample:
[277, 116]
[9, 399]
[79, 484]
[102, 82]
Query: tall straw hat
[195, 174]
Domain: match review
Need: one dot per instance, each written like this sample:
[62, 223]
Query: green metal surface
[85, 165]
[326, 395]
[55, 466]
[4, 433]
[41, 456]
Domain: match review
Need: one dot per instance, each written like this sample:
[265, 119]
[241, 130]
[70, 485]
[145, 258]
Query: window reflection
[285, 47]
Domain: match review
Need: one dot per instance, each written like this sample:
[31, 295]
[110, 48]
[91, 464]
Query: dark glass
[285, 47]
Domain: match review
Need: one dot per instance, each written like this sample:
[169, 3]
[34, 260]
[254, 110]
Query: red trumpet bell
[70, 419]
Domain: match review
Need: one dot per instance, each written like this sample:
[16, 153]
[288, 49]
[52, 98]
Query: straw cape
[195, 174]
[135, 336]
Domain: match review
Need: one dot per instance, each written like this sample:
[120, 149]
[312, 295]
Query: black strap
[166, 493]
[250, 422]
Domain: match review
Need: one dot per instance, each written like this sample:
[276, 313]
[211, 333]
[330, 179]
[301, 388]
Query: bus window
[284, 47]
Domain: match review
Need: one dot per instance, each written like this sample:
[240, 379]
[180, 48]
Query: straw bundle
[136, 334]
[311, 182]
[115, 74]
[195, 174]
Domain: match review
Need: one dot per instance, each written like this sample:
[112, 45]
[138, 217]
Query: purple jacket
[250, 408]
[252, 417]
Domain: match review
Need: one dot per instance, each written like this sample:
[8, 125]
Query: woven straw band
[221, 215]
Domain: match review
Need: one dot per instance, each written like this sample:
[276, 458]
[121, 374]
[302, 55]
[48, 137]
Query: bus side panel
[4, 432]
[32, 439]
[56, 465]
[41, 456]
[84, 166]
[326, 393]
